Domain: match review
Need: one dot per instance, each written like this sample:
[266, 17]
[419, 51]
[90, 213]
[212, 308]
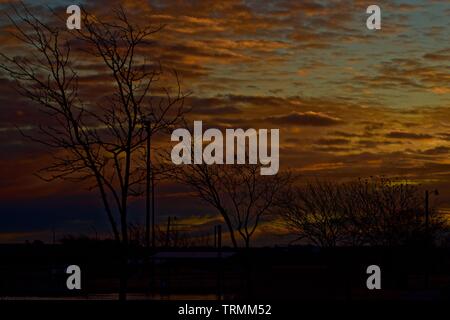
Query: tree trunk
[230, 228]
[108, 210]
[123, 277]
[247, 243]
[123, 258]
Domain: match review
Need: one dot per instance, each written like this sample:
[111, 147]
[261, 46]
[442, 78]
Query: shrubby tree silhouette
[389, 212]
[101, 143]
[313, 212]
[376, 211]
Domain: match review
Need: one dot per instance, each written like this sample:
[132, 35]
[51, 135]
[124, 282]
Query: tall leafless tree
[101, 143]
[238, 192]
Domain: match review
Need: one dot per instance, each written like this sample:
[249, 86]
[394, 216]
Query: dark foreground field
[37, 271]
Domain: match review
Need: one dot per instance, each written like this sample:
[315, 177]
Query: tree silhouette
[100, 143]
[375, 211]
[388, 212]
[238, 192]
[313, 212]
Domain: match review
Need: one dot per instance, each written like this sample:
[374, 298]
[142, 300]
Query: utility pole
[150, 190]
[427, 212]
[153, 207]
[168, 232]
[427, 209]
[428, 238]
[219, 239]
[147, 189]
[218, 244]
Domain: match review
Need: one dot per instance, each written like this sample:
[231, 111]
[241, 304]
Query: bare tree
[101, 143]
[238, 192]
[374, 211]
[388, 212]
[313, 213]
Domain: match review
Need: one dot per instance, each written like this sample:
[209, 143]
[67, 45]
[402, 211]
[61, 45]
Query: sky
[349, 102]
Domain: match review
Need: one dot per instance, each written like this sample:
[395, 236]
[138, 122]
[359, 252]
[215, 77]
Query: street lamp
[428, 236]
[150, 187]
[427, 210]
